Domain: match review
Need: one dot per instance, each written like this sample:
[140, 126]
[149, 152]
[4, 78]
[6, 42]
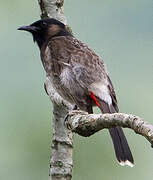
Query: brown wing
[76, 54]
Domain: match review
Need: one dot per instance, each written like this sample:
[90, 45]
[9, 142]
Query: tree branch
[87, 124]
[62, 141]
[52, 9]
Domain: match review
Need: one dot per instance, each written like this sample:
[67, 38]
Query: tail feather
[122, 150]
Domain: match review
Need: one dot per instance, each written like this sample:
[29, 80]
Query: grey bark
[79, 122]
[62, 142]
[87, 124]
[52, 9]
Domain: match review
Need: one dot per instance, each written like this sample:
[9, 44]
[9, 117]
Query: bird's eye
[44, 24]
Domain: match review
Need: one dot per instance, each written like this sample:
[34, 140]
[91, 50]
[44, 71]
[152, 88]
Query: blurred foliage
[121, 32]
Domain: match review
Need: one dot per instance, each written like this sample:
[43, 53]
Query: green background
[122, 33]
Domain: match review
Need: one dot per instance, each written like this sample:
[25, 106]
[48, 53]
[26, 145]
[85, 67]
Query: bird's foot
[68, 114]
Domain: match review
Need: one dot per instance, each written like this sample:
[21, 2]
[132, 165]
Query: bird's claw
[69, 114]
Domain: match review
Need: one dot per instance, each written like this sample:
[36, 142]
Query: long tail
[122, 150]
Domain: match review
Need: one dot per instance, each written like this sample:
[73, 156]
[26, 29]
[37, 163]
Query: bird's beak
[28, 28]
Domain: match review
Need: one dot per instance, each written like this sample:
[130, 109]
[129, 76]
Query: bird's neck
[62, 32]
[41, 40]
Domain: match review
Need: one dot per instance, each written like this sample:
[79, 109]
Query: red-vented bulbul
[79, 75]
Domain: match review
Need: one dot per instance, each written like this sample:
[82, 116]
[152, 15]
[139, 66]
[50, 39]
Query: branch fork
[79, 122]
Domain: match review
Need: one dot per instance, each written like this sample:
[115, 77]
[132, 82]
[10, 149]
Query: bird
[79, 75]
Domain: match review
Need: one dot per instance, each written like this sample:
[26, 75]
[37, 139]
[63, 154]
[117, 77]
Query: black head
[45, 29]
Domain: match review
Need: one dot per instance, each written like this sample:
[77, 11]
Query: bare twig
[87, 124]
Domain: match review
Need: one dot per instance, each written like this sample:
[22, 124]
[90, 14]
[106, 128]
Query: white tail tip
[128, 163]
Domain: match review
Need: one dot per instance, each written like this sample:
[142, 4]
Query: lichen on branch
[87, 124]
